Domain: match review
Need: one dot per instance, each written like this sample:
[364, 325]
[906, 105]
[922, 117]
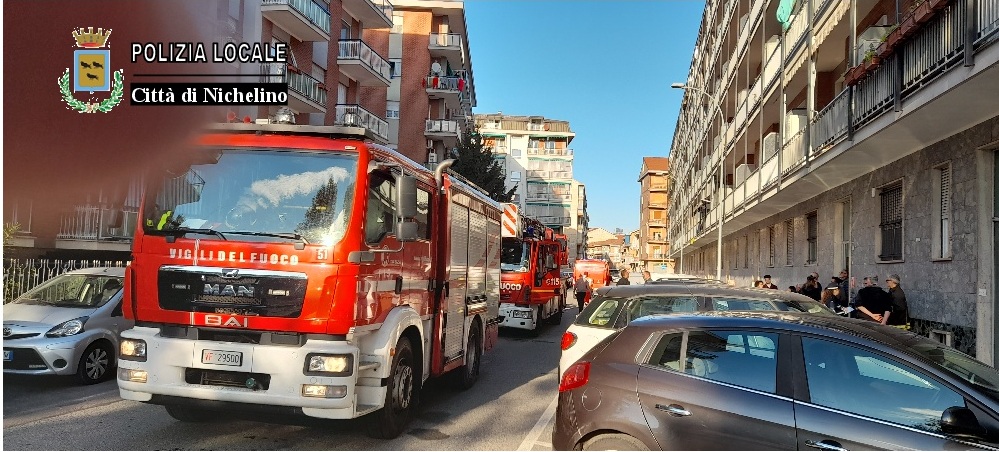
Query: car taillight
[575, 377]
[568, 340]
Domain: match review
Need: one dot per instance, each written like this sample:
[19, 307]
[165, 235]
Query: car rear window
[617, 312]
[736, 304]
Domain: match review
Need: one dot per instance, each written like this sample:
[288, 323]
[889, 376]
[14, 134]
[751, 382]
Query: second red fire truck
[532, 289]
[301, 269]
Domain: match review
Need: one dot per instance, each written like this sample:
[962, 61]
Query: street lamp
[721, 216]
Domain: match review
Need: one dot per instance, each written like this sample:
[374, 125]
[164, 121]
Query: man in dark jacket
[899, 307]
[623, 280]
[873, 302]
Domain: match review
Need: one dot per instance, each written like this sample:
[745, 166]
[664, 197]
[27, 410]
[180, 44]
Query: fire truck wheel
[556, 319]
[537, 321]
[402, 394]
[467, 375]
[190, 414]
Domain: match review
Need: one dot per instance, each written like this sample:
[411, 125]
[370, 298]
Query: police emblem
[92, 72]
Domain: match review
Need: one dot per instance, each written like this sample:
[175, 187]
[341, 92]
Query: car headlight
[132, 349]
[68, 328]
[329, 365]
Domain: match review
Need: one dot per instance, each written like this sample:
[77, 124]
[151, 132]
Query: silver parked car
[67, 325]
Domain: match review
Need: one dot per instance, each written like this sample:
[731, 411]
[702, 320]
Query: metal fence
[21, 275]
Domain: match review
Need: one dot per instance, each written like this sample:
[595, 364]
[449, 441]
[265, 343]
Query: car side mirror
[961, 422]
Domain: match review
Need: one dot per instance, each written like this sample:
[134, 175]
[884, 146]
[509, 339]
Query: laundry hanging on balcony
[784, 12]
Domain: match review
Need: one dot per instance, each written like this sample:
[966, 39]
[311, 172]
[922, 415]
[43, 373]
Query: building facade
[537, 160]
[846, 135]
[653, 218]
[345, 67]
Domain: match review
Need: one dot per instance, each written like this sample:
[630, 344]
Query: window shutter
[945, 211]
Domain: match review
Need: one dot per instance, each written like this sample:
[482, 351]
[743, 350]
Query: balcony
[549, 174]
[306, 20]
[373, 14]
[555, 152]
[548, 197]
[357, 116]
[360, 63]
[447, 45]
[448, 88]
[552, 220]
[445, 130]
[305, 94]
[88, 227]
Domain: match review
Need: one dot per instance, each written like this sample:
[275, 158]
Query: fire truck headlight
[329, 365]
[132, 349]
[324, 391]
[138, 376]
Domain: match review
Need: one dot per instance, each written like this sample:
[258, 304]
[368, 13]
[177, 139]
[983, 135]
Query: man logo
[230, 321]
[6, 332]
[230, 273]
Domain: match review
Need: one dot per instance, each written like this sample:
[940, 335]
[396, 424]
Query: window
[423, 206]
[745, 251]
[734, 357]
[651, 305]
[515, 152]
[842, 377]
[789, 245]
[397, 22]
[813, 236]
[772, 236]
[395, 67]
[941, 212]
[392, 109]
[891, 223]
[380, 216]
[731, 304]
[344, 30]
[515, 176]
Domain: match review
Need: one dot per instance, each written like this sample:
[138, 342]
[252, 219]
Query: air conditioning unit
[432, 158]
[742, 172]
[794, 122]
[770, 145]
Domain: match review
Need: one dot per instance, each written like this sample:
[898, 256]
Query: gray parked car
[774, 381]
[67, 325]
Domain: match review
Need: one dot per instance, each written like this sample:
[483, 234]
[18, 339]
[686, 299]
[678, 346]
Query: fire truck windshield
[516, 256]
[260, 195]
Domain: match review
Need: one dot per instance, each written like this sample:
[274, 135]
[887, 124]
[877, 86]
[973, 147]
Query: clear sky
[604, 66]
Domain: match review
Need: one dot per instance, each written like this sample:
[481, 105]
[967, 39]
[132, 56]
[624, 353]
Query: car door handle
[675, 410]
[824, 445]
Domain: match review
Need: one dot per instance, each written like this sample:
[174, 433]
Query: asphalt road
[510, 408]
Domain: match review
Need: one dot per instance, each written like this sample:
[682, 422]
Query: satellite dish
[435, 68]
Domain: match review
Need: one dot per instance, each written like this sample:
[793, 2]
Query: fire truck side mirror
[406, 231]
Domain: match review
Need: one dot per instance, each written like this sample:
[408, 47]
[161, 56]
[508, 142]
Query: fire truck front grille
[227, 291]
[227, 378]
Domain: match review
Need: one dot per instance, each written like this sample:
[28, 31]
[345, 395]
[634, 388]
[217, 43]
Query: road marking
[539, 427]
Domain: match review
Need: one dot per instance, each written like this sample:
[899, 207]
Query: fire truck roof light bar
[355, 133]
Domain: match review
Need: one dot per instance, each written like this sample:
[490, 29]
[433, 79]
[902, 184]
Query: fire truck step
[367, 365]
[365, 409]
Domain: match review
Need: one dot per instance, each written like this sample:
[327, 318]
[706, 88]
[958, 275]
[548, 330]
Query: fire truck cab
[532, 289]
[305, 269]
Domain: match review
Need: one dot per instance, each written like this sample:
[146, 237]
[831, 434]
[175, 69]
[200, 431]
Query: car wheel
[613, 441]
[467, 375]
[190, 414]
[95, 364]
[402, 394]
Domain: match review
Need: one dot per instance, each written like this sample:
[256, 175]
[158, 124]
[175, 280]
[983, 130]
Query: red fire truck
[532, 289]
[302, 269]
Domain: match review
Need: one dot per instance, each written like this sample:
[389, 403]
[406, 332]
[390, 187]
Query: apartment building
[345, 67]
[653, 218]
[537, 160]
[846, 135]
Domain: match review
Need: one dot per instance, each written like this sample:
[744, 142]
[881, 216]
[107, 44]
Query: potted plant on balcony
[871, 60]
[891, 40]
[937, 5]
[292, 68]
[922, 12]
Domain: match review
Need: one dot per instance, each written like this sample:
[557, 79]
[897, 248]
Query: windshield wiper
[176, 232]
[281, 235]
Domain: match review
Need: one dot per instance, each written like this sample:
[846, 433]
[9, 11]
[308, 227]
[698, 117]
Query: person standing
[758, 284]
[582, 288]
[899, 307]
[646, 276]
[815, 276]
[844, 287]
[812, 288]
[768, 284]
[623, 280]
[873, 303]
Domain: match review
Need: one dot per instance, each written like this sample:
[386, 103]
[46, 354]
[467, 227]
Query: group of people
[871, 302]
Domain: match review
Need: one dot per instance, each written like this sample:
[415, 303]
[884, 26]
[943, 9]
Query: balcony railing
[312, 11]
[793, 153]
[548, 197]
[91, 222]
[456, 84]
[355, 49]
[442, 126]
[357, 116]
[307, 86]
[445, 40]
[796, 32]
[831, 123]
[533, 151]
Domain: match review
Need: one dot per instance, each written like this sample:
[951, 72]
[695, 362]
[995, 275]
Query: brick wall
[414, 103]
[373, 98]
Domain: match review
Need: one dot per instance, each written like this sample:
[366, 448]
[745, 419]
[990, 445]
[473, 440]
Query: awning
[836, 12]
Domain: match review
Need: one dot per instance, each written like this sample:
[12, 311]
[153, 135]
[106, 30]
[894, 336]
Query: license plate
[8, 355]
[222, 358]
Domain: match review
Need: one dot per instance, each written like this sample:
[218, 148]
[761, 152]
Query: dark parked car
[612, 307]
[774, 381]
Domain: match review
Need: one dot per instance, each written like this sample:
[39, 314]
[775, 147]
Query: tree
[476, 163]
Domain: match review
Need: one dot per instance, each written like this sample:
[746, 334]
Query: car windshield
[965, 367]
[73, 291]
[261, 195]
[516, 255]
